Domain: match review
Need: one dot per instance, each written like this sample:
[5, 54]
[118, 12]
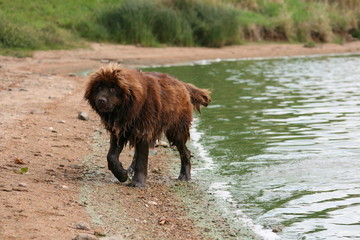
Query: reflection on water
[284, 139]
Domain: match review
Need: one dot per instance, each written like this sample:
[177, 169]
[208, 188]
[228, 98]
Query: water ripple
[284, 137]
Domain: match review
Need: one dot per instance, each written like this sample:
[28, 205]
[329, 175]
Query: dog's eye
[112, 90]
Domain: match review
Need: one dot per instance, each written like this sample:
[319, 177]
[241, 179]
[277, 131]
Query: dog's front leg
[115, 166]
[140, 164]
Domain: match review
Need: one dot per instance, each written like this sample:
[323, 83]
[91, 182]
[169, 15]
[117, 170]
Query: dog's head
[106, 98]
[108, 88]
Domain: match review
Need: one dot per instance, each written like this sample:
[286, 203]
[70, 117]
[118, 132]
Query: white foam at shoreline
[220, 189]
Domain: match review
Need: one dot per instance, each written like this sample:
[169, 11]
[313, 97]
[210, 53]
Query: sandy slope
[67, 181]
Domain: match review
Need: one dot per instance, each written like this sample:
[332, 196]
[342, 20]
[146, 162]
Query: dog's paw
[184, 177]
[122, 177]
[137, 184]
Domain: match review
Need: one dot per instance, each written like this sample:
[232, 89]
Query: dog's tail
[198, 96]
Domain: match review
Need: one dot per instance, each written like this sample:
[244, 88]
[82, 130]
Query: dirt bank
[64, 180]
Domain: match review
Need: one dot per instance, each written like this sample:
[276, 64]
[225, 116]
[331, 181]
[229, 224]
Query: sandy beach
[55, 183]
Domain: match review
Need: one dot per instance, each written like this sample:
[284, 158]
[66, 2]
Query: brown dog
[136, 108]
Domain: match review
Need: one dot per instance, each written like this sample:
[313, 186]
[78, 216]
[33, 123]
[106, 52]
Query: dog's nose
[102, 100]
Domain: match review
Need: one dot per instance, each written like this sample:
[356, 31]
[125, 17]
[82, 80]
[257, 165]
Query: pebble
[162, 221]
[152, 203]
[22, 185]
[19, 161]
[52, 129]
[75, 166]
[83, 116]
[83, 226]
[99, 231]
[37, 111]
[117, 237]
[156, 170]
[6, 189]
[232, 233]
[85, 236]
[62, 121]
[277, 228]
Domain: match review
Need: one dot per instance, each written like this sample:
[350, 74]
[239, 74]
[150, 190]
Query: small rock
[37, 111]
[19, 161]
[232, 233]
[6, 189]
[99, 231]
[83, 116]
[75, 166]
[156, 170]
[162, 221]
[85, 236]
[117, 237]
[22, 185]
[277, 228]
[52, 129]
[82, 226]
[152, 203]
[62, 121]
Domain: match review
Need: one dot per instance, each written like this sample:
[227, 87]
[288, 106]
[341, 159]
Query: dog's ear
[122, 81]
[89, 88]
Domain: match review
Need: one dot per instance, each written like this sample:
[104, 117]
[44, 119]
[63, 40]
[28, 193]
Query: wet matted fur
[137, 108]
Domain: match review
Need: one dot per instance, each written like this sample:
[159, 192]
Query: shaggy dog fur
[137, 108]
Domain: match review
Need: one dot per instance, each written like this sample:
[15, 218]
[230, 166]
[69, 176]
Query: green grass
[153, 23]
[299, 20]
[51, 24]
[43, 24]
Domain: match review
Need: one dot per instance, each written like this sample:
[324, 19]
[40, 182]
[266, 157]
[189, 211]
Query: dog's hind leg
[114, 165]
[178, 138]
[140, 164]
[185, 170]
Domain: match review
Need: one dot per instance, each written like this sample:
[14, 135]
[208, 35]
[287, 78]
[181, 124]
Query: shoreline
[132, 56]
[40, 99]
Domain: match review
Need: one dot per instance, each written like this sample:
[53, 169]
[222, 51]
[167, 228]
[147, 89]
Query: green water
[281, 143]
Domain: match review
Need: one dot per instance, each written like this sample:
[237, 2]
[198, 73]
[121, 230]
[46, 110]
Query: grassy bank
[52, 24]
